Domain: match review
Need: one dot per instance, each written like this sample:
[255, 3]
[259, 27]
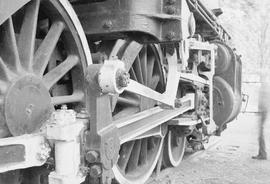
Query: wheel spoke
[150, 69]
[143, 155]
[133, 74]
[3, 87]
[158, 64]
[134, 158]
[131, 53]
[125, 153]
[144, 64]
[76, 97]
[117, 46]
[138, 70]
[128, 101]
[5, 72]
[151, 143]
[45, 50]
[154, 81]
[9, 50]
[57, 73]
[26, 43]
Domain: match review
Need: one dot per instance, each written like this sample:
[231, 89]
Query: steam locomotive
[105, 91]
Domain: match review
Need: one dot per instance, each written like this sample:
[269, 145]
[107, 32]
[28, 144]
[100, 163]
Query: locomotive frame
[160, 75]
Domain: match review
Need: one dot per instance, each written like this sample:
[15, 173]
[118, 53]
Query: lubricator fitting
[112, 77]
[64, 130]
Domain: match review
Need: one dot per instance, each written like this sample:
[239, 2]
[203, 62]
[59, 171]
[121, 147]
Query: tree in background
[264, 35]
[248, 22]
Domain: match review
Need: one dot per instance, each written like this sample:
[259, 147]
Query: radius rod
[142, 122]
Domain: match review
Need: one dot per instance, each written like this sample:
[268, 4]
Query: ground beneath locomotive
[227, 161]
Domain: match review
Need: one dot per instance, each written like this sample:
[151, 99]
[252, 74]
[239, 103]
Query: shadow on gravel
[227, 161]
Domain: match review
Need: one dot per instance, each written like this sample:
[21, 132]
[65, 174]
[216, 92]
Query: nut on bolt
[170, 35]
[108, 24]
[64, 107]
[188, 130]
[170, 9]
[95, 171]
[83, 171]
[177, 103]
[122, 78]
[44, 152]
[92, 156]
[83, 114]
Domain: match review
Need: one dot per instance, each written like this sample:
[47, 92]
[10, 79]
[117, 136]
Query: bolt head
[122, 78]
[95, 171]
[83, 171]
[170, 35]
[64, 107]
[187, 131]
[92, 156]
[83, 114]
[108, 24]
[170, 10]
[178, 103]
[44, 152]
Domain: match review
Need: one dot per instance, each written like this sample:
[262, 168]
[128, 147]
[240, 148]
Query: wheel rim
[175, 148]
[45, 55]
[43, 58]
[137, 158]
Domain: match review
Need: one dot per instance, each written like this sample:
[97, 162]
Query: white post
[65, 130]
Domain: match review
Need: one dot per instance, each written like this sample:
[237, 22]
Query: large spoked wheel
[174, 148]
[137, 158]
[43, 57]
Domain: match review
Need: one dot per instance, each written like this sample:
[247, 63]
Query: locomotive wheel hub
[27, 105]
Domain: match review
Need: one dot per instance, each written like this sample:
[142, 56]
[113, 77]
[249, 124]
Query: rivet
[92, 156]
[95, 171]
[108, 24]
[170, 35]
[170, 9]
